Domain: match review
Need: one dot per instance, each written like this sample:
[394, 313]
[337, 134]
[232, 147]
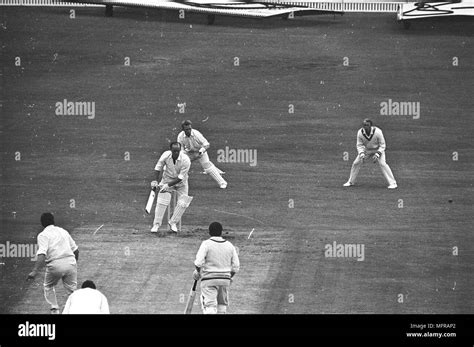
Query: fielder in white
[87, 300]
[195, 146]
[216, 263]
[371, 143]
[59, 252]
[171, 171]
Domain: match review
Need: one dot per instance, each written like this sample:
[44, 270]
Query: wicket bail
[171, 207]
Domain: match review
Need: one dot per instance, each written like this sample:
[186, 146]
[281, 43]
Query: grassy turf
[293, 199]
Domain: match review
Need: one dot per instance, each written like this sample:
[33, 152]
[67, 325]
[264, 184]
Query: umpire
[216, 263]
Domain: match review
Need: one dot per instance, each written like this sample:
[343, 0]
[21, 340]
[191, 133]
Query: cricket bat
[192, 295]
[151, 199]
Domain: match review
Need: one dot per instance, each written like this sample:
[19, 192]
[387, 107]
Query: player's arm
[73, 246]
[183, 171]
[162, 188]
[158, 173]
[180, 140]
[174, 182]
[40, 261]
[40, 256]
[202, 140]
[156, 178]
[360, 142]
[200, 260]
[381, 141]
[235, 263]
[360, 145]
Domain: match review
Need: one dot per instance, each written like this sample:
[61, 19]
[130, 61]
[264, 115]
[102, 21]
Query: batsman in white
[371, 143]
[195, 146]
[171, 171]
[216, 263]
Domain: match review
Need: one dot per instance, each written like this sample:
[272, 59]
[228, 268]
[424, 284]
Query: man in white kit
[59, 252]
[195, 146]
[371, 143]
[87, 300]
[216, 263]
[171, 171]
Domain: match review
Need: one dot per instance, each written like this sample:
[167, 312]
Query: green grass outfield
[96, 172]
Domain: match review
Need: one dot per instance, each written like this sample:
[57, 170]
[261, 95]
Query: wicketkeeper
[195, 146]
[371, 144]
[216, 263]
[171, 171]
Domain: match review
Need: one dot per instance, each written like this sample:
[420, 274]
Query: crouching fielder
[216, 263]
[195, 146]
[371, 143]
[172, 173]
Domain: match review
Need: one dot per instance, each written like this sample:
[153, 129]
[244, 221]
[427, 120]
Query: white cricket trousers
[181, 189]
[64, 269]
[386, 171]
[215, 295]
[208, 167]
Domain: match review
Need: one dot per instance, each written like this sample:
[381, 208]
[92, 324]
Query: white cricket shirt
[194, 142]
[55, 243]
[372, 142]
[217, 255]
[86, 301]
[173, 170]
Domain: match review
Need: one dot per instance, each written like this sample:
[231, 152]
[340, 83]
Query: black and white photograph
[169, 167]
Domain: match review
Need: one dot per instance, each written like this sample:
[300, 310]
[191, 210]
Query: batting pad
[208, 165]
[164, 198]
[185, 201]
[181, 206]
[214, 172]
[221, 309]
